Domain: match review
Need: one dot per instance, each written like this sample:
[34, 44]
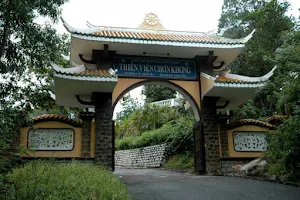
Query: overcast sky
[184, 15]
[188, 15]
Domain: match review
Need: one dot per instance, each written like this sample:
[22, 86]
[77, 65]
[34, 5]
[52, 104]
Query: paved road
[161, 184]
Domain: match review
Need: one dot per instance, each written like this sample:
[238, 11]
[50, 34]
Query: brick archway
[188, 89]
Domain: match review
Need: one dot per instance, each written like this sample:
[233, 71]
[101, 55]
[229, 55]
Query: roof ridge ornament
[57, 68]
[151, 22]
[251, 79]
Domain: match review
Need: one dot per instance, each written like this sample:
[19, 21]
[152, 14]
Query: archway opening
[174, 132]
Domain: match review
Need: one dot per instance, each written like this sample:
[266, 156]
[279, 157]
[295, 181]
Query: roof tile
[223, 79]
[276, 119]
[54, 117]
[250, 122]
[95, 72]
[157, 36]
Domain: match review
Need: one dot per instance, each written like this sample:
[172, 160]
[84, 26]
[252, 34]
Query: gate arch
[188, 89]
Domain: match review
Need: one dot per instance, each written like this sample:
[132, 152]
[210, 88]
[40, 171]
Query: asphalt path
[160, 184]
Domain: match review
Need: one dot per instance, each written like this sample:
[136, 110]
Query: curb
[268, 180]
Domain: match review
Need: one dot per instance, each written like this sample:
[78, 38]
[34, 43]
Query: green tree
[236, 20]
[129, 106]
[157, 92]
[269, 19]
[239, 18]
[26, 47]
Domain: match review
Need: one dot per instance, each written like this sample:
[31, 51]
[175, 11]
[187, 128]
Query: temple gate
[109, 61]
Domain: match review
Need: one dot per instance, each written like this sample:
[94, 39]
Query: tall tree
[286, 162]
[26, 47]
[269, 19]
[129, 105]
[235, 20]
[239, 18]
[157, 93]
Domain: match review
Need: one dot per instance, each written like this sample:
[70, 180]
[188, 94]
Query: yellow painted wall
[192, 87]
[235, 154]
[206, 84]
[75, 153]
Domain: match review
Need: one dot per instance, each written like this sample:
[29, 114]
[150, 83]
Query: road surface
[152, 184]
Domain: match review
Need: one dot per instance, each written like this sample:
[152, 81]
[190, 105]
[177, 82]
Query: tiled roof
[157, 36]
[223, 79]
[276, 118]
[54, 117]
[163, 37]
[250, 122]
[95, 72]
[102, 75]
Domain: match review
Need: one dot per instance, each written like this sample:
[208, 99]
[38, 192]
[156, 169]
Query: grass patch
[49, 181]
[183, 161]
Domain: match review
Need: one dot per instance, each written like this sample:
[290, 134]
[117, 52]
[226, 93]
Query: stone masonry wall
[152, 156]
[210, 129]
[86, 138]
[104, 131]
[229, 166]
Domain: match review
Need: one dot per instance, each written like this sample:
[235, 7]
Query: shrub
[284, 150]
[147, 118]
[50, 180]
[177, 134]
[157, 136]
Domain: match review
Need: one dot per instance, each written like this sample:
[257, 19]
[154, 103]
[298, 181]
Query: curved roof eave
[163, 43]
[213, 41]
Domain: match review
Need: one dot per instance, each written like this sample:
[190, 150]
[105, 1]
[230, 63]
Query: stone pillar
[86, 134]
[199, 150]
[223, 135]
[210, 130]
[104, 130]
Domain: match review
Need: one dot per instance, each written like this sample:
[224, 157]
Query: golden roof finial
[151, 22]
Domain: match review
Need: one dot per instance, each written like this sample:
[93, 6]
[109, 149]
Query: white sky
[187, 15]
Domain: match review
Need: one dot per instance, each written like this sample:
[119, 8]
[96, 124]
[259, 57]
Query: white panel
[51, 139]
[249, 141]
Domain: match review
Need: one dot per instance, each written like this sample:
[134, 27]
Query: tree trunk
[5, 30]
[4, 40]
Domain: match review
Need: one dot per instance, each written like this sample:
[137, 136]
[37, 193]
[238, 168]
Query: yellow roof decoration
[151, 22]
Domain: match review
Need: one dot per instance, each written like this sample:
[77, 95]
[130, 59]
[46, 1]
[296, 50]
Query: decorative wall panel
[51, 139]
[249, 141]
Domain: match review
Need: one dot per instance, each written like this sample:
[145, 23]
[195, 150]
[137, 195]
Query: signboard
[155, 67]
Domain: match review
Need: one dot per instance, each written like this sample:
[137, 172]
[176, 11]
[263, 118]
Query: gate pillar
[199, 150]
[209, 127]
[104, 129]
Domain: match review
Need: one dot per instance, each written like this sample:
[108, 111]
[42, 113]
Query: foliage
[50, 180]
[269, 19]
[24, 42]
[285, 161]
[177, 134]
[235, 21]
[184, 160]
[270, 23]
[26, 47]
[146, 118]
[129, 106]
[287, 75]
[157, 93]
[148, 138]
